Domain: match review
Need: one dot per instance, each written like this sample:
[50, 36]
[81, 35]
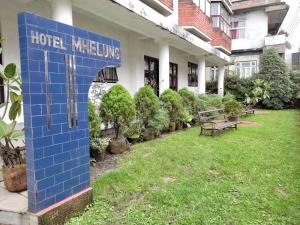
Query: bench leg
[235, 126]
[201, 132]
[212, 132]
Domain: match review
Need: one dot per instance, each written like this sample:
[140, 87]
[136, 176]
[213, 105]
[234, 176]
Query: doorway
[151, 72]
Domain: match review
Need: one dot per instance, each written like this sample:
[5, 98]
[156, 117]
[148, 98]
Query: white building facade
[254, 28]
[164, 43]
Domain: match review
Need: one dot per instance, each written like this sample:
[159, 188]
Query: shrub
[147, 104]
[160, 121]
[228, 97]
[211, 86]
[201, 104]
[134, 130]
[117, 108]
[274, 71]
[214, 101]
[237, 86]
[94, 120]
[172, 103]
[98, 147]
[233, 109]
[188, 100]
[295, 79]
[259, 92]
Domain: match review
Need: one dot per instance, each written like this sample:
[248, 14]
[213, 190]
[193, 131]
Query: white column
[62, 11]
[164, 67]
[221, 80]
[201, 76]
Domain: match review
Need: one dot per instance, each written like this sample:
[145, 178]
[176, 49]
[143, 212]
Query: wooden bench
[248, 110]
[207, 123]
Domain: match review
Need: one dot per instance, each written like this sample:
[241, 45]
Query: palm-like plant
[10, 154]
[258, 93]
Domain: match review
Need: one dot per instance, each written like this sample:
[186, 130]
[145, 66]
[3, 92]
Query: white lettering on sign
[81, 45]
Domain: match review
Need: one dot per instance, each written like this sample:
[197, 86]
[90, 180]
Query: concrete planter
[15, 179]
[118, 146]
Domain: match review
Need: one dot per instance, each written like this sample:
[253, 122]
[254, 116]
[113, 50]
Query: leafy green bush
[259, 92]
[172, 103]
[274, 71]
[211, 87]
[188, 100]
[147, 104]
[228, 97]
[117, 108]
[160, 121]
[134, 130]
[238, 86]
[233, 108]
[295, 79]
[214, 101]
[94, 120]
[99, 144]
[201, 104]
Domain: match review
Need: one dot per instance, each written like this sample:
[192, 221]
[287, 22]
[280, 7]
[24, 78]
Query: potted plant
[172, 103]
[98, 147]
[118, 110]
[14, 168]
[233, 109]
[147, 105]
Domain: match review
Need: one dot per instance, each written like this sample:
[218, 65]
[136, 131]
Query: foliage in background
[117, 108]
[238, 86]
[228, 97]
[295, 79]
[147, 104]
[160, 121]
[259, 92]
[134, 130]
[94, 120]
[233, 108]
[211, 87]
[188, 100]
[172, 103]
[201, 104]
[273, 69]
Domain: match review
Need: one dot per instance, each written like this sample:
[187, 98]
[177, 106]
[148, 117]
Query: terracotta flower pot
[15, 179]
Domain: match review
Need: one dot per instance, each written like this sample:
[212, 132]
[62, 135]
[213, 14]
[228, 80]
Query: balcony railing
[275, 40]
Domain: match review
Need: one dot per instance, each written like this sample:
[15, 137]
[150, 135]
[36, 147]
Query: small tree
[188, 100]
[274, 71]
[117, 108]
[172, 102]
[147, 104]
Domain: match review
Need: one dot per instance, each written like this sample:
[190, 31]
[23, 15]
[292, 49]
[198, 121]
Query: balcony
[192, 19]
[278, 42]
[221, 41]
[164, 7]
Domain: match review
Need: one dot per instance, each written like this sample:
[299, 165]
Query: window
[151, 73]
[238, 29]
[107, 75]
[204, 5]
[1, 80]
[173, 76]
[246, 69]
[192, 75]
[296, 61]
[220, 17]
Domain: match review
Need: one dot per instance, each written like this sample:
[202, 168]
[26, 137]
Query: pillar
[164, 66]
[221, 81]
[201, 76]
[62, 11]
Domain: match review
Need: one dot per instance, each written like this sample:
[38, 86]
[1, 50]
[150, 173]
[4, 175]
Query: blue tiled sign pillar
[58, 64]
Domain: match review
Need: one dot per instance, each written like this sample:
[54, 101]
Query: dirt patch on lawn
[109, 164]
[248, 124]
[169, 179]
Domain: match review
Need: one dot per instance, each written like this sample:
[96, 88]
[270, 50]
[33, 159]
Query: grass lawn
[249, 176]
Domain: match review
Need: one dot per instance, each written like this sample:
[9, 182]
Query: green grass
[249, 176]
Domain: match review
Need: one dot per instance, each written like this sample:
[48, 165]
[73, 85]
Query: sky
[292, 2]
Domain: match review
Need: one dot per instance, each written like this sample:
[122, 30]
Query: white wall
[256, 30]
[133, 45]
